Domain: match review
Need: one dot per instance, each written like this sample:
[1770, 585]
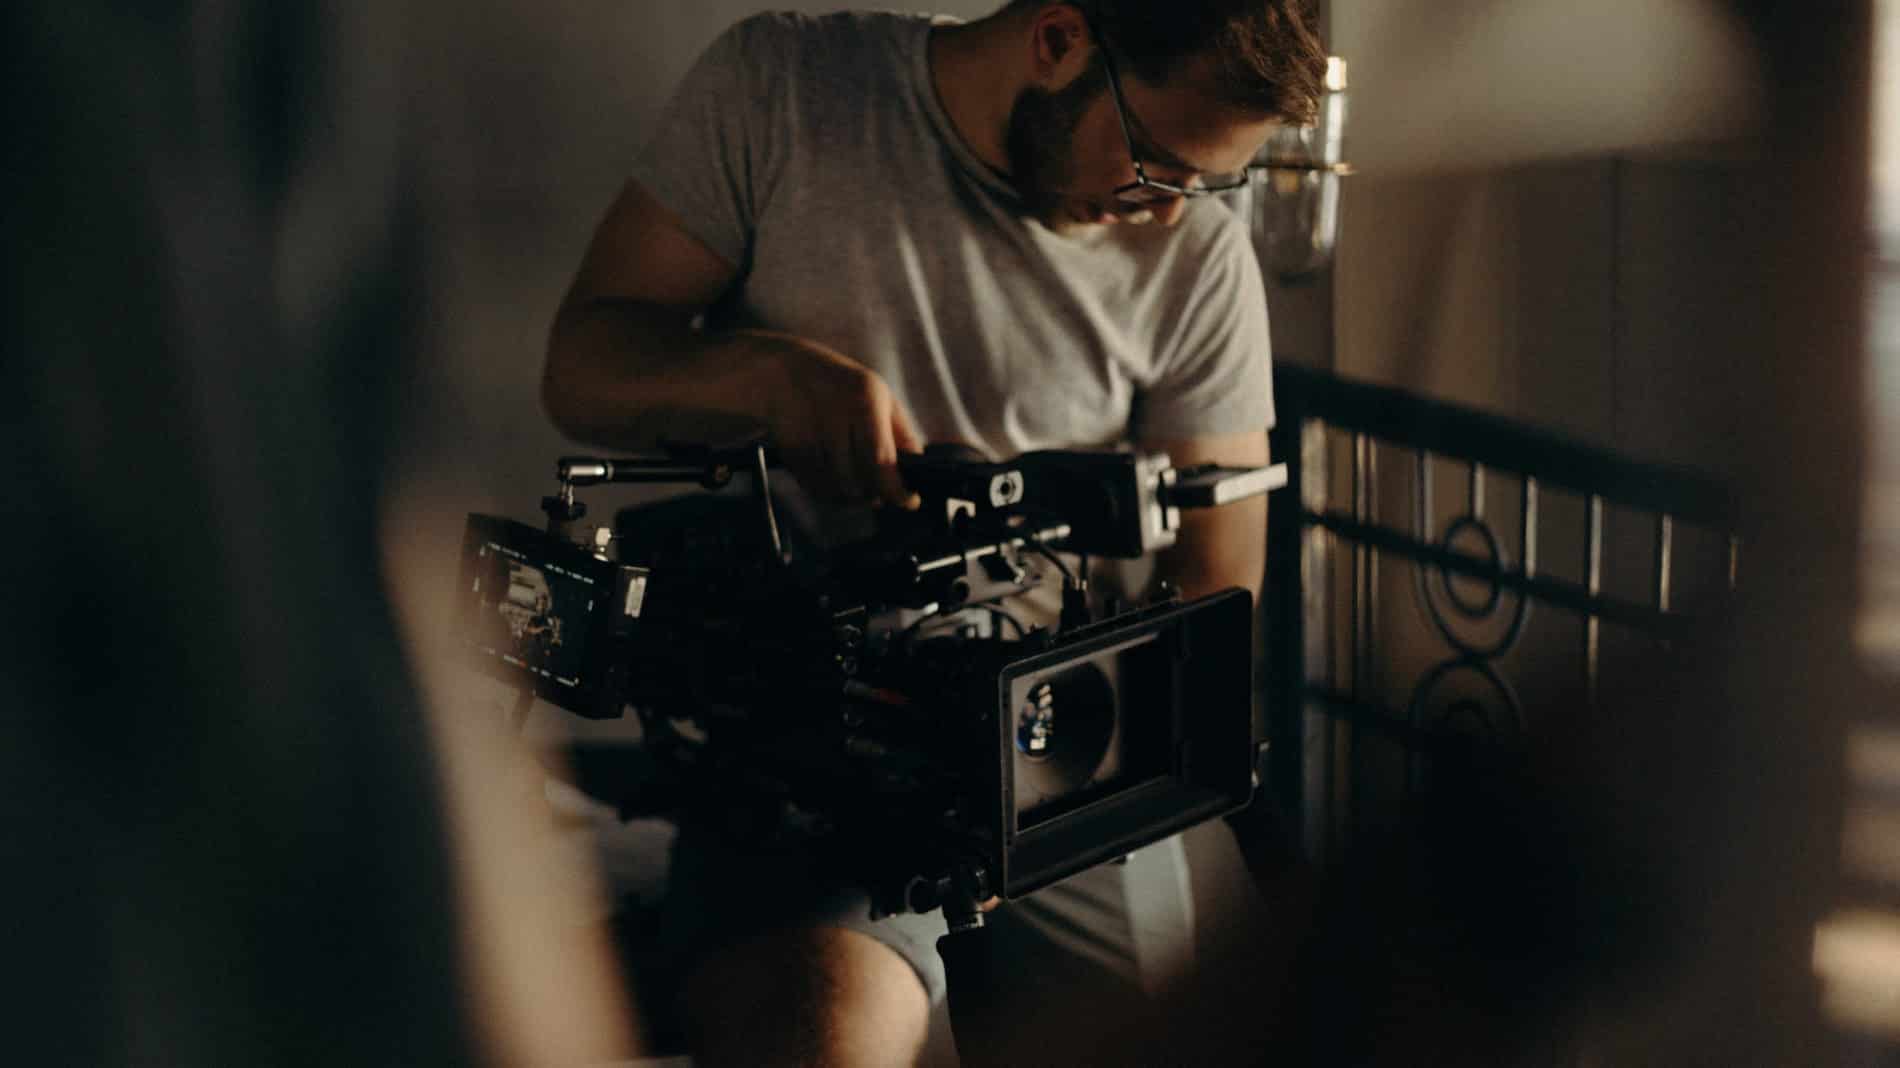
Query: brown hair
[1266, 56]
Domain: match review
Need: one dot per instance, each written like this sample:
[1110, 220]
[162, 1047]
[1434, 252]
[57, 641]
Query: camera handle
[977, 982]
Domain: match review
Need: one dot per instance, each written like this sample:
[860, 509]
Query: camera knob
[958, 593]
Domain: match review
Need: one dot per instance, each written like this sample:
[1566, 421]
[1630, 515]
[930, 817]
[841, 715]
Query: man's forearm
[1218, 548]
[626, 375]
[1224, 546]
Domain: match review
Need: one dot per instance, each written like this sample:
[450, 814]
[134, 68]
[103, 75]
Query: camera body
[882, 694]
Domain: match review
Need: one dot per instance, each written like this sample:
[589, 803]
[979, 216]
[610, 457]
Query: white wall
[1464, 84]
[1546, 220]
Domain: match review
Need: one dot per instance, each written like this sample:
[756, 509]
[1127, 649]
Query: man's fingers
[895, 437]
[890, 485]
[903, 433]
[857, 429]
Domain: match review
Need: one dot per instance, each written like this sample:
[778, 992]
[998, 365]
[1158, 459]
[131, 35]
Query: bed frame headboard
[1427, 559]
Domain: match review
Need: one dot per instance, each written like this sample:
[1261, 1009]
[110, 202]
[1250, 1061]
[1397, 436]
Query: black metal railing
[1353, 673]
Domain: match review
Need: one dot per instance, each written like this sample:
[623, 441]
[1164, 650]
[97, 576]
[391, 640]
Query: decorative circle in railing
[1488, 542]
[1466, 710]
[1440, 710]
[1459, 537]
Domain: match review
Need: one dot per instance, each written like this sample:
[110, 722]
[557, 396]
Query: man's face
[1068, 154]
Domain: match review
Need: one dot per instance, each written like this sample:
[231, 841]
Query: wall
[1549, 212]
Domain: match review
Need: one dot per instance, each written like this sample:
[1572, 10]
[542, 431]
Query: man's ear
[1061, 45]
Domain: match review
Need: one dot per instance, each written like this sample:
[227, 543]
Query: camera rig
[883, 691]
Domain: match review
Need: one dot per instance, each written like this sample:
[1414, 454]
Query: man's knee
[813, 996]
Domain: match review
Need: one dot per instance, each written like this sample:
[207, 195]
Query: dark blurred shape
[224, 841]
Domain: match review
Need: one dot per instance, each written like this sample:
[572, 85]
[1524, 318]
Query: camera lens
[1064, 724]
[1036, 723]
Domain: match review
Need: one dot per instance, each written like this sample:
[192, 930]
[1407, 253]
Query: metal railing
[1354, 713]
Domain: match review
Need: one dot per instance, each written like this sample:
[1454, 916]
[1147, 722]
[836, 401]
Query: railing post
[1293, 612]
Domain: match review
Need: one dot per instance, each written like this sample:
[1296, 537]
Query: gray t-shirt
[812, 153]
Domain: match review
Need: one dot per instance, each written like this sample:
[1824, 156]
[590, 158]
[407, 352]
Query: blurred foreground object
[227, 843]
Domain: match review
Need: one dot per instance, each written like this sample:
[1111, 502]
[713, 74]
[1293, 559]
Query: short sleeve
[1216, 369]
[719, 147]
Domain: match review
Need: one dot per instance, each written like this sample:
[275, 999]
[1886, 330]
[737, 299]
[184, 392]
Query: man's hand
[838, 425]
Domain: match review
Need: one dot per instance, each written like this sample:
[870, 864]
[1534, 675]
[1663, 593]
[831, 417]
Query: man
[868, 232]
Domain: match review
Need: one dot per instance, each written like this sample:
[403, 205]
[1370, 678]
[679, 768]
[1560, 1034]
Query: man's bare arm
[627, 367]
[1224, 546]
[623, 359]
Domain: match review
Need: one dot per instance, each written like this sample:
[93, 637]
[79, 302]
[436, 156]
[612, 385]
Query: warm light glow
[1857, 952]
[1873, 761]
[1886, 107]
[1872, 841]
[1857, 956]
[1877, 630]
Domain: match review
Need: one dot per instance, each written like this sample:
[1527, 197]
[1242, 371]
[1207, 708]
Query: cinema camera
[884, 693]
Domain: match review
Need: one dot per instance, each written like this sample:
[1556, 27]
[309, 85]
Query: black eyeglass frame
[1146, 190]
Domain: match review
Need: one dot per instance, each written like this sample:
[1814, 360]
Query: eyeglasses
[1146, 190]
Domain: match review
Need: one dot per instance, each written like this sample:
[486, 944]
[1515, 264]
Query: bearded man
[865, 232]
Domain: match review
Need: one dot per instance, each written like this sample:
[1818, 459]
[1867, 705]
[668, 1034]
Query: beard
[1040, 142]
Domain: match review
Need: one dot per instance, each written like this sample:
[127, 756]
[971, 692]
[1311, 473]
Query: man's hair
[1266, 57]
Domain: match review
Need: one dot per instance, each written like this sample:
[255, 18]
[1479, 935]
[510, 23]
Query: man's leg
[767, 955]
[808, 996]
